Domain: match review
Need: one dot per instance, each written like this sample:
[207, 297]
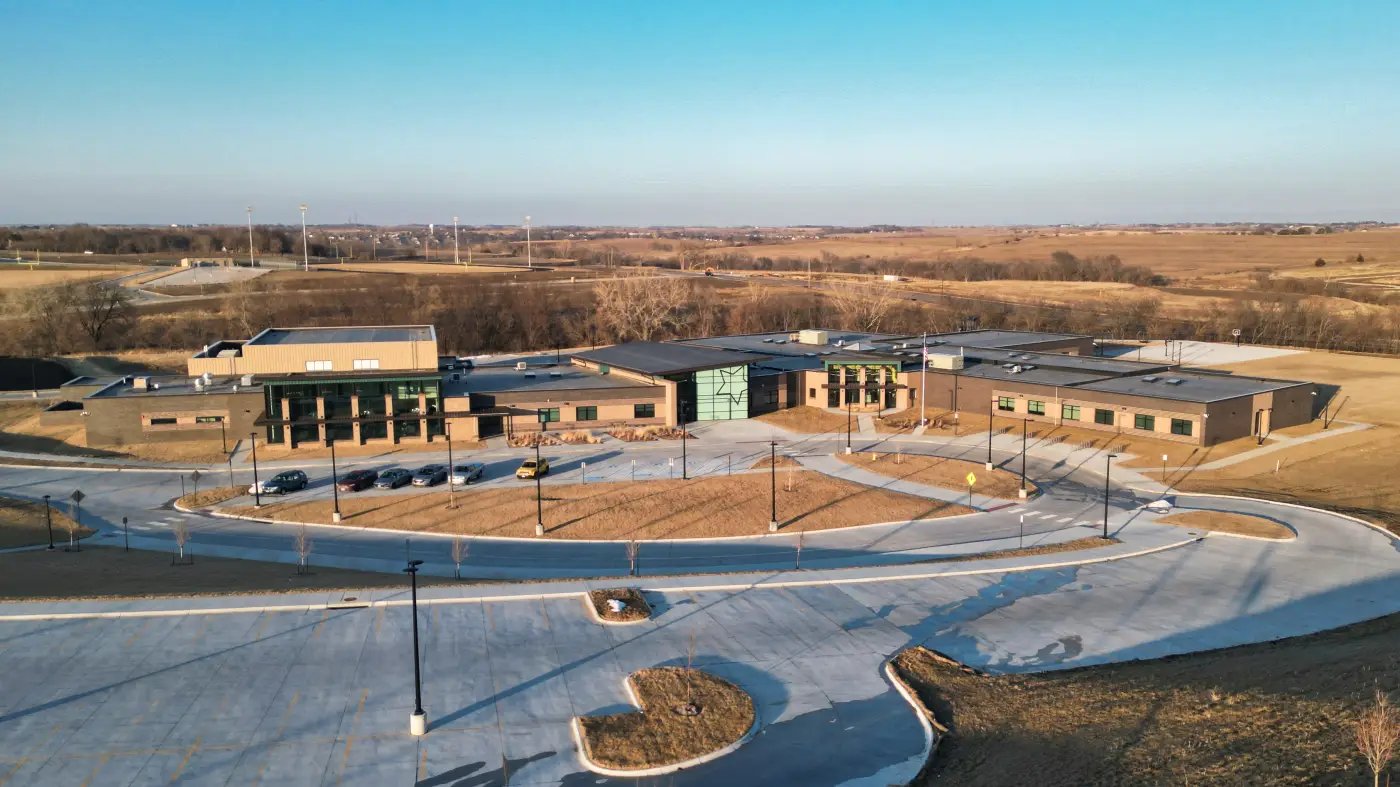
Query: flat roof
[501, 379]
[1039, 375]
[1102, 367]
[1194, 386]
[778, 343]
[174, 385]
[347, 335]
[660, 358]
[996, 338]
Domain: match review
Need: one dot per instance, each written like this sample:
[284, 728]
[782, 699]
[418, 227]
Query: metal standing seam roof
[347, 335]
[500, 379]
[660, 358]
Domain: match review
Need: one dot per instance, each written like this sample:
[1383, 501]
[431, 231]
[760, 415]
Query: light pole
[773, 485]
[223, 436]
[539, 506]
[1164, 469]
[305, 246]
[684, 432]
[456, 258]
[847, 394]
[990, 405]
[1024, 421]
[418, 722]
[126, 537]
[257, 488]
[923, 383]
[252, 262]
[529, 257]
[335, 485]
[48, 520]
[451, 471]
[1107, 467]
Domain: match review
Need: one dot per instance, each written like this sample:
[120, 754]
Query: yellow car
[533, 469]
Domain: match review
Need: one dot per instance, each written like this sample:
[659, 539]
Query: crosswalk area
[1049, 516]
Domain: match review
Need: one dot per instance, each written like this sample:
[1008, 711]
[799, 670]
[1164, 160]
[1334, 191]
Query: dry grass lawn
[209, 497]
[807, 420]
[699, 508]
[429, 268]
[659, 735]
[108, 572]
[15, 277]
[22, 524]
[426, 452]
[1227, 522]
[1278, 713]
[940, 472]
[636, 606]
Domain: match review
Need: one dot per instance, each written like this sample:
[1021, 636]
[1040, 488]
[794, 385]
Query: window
[318, 366]
[549, 415]
[644, 410]
[585, 413]
[216, 419]
[1006, 404]
[1035, 408]
[1181, 426]
[1069, 412]
[366, 363]
[163, 421]
[1104, 417]
[811, 393]
[1145, 422]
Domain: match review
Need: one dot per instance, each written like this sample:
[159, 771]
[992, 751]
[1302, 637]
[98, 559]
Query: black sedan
[355, 480]
[430, 475]
[393, 478]
[281, 484]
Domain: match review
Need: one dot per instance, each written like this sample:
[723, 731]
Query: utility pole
[252, 263]
[305, 245]
[456, 258]
[529, 257]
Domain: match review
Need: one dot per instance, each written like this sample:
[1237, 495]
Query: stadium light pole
[252, 262]
[1108, 467]
[529, 257]
[456, 256]
[418, 721]
[305, 245]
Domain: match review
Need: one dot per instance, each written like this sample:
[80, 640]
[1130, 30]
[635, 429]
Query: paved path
[319, 696]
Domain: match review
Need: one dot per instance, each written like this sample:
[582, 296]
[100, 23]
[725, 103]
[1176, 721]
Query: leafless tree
[98, 306]
[641, 307]
[862, 306]
[633, 548]
[44, 311]
[1377, 734]
[181, 532]
[459, 555]
[303, 548]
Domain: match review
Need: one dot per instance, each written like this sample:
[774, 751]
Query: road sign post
[971, 479]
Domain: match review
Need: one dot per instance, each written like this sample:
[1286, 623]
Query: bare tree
[862, 307]
[459, 556]
[303, 548]
[1377, 735]
[45, 314]
[98, 307]
[633, 548]
[181, 532]
[641, 307]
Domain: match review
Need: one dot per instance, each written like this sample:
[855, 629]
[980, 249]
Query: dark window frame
[1100, 414]
[1183, 427]
[1145, 422]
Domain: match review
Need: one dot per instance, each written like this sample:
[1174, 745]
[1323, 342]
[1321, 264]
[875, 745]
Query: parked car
[393, 478]
[533, 469]
[355, 480]
[280, 484]
[467, 473]
[430, 475]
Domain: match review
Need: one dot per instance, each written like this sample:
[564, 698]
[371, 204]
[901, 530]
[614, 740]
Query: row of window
[550, 415]
[360, 364]
[1070, 412]
[199, 419]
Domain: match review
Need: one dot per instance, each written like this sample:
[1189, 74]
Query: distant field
[430, 268]
[20, 277]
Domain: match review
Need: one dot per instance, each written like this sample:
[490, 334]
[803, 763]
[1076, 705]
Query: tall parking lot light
[990, 405]
[48, 520]
[335, 485]
[684, 473]
[1108, 465]
[1024, 421]
[257, 489]
[418, 721]
[451, 490]
[848, 395]
[773, 485]
[539, 506]
[305, 247]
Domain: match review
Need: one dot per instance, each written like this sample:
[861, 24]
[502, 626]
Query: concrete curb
[1372, 525]
[931, 738]
[576, 727]
[90, 468]
[593, 613]
[583, 595]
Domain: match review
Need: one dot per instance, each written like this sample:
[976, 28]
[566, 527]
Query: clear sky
[585, 112]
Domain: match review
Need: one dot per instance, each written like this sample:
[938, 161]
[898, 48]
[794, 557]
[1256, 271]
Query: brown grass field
[22, 523]
[108, 572]
[700, 508]
[940, 472]
[1226, 522]
[658, 735]
[808, 420]
[1278, 713]
[20, 277]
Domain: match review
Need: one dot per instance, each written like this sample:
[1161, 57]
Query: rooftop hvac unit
[941, 361]
[810, 336]
[520, 366]
[207, 378]
[235, 387]
[1151, 378]
[141, 383]
[199, 383]
[1175, 381]
[247, 379]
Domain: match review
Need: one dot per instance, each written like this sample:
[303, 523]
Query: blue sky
[699, 113]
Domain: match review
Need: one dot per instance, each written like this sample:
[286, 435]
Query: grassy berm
[1278, 713]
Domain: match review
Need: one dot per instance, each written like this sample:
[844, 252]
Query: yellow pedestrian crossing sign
[971, 479]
